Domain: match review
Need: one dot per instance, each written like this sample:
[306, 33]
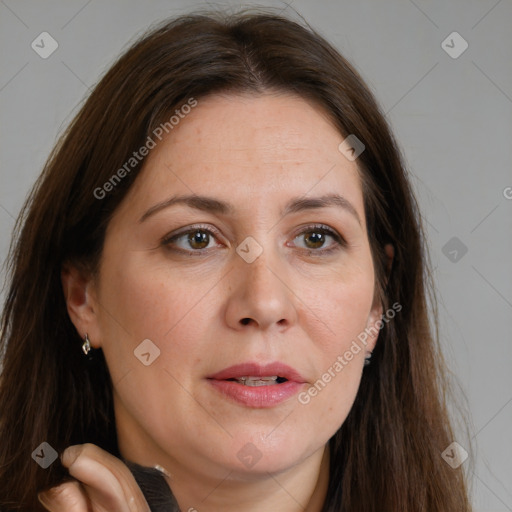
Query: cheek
[329, 396]
[329, 400]
[141, 304]
[338, 312]
[336, 318]
[144, 304]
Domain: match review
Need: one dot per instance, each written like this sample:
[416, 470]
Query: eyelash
[340, 242]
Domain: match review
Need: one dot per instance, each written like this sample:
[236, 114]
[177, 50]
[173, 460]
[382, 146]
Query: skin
[301, 307]
[103, 484]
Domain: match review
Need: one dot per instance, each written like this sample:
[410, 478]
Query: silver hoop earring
[86, 345]
[368, 360]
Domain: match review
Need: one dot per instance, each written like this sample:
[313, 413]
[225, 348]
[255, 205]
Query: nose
[260, 296]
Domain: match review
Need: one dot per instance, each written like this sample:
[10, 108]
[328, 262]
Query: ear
[80, 295]
[373, 326]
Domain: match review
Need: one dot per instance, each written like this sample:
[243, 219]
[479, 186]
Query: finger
[68, 497]
[107, 480]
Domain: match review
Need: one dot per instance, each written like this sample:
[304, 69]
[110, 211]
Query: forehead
[256, 129]
[241, 148]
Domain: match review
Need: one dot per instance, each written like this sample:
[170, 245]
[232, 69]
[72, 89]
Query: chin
[258, 456]
[265, 466]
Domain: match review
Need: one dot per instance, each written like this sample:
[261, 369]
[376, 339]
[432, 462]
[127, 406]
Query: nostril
[245, 321]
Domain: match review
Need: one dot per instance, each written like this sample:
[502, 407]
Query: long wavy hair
[386, 457]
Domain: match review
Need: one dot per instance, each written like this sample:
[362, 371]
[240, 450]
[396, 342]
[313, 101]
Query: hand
[103, 484]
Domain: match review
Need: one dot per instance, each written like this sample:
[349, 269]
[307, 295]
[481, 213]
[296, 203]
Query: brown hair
[386, 455]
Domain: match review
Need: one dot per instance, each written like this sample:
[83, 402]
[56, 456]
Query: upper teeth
[257, 381]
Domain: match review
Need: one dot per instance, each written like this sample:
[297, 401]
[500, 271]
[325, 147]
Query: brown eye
[195, 240]
[314, 239]
[198, 239]
[319, 239]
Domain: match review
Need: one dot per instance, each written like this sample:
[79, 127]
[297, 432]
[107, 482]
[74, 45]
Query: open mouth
[257, 385]
[259, 381]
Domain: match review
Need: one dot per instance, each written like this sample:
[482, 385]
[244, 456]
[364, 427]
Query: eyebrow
[212, 205]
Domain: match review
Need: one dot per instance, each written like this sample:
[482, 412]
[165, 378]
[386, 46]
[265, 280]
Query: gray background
[451, 116]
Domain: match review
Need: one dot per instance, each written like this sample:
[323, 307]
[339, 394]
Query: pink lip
[260, 396]
[258, 370]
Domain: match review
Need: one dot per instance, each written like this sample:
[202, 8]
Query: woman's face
[240, 251]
